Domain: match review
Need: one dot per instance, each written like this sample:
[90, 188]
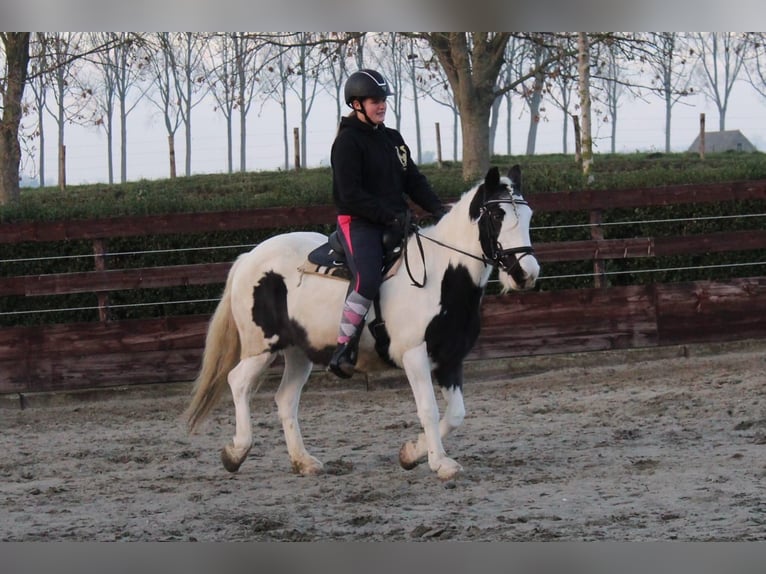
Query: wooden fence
[108, 353]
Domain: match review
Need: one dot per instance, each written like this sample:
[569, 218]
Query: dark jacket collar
[354, 122]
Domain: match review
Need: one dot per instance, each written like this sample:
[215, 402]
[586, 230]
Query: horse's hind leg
[241, 379]
[412, 452]
[297, 371]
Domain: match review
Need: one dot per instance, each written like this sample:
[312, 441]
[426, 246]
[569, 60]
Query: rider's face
[375, 108]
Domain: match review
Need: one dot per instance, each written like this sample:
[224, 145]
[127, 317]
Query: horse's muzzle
[521, 265]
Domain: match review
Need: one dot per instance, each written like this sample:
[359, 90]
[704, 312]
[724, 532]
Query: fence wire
[249, 246]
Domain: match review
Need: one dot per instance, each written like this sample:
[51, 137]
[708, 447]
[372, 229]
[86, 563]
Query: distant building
[729, 140]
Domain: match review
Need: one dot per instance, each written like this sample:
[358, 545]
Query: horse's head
[503, 218]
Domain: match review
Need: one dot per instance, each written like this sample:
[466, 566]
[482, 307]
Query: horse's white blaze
[515, 232]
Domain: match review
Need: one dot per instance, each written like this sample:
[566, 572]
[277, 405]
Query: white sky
[640, 127]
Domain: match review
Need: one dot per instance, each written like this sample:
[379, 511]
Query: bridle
[499, 256]
[493, 254]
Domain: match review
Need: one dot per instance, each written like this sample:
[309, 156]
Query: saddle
[329, 259]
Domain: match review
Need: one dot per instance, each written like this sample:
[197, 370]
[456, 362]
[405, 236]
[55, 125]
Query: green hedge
[312, 187]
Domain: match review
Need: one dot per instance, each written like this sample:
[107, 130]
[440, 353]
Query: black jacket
[373, 170]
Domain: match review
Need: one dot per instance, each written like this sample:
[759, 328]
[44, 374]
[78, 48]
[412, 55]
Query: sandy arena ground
[596, 447]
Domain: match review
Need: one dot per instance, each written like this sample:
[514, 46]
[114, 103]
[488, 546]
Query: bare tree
[121, 67]
[533, 91]
[165, 77]
[391, 59]
[472, 63]
[176, 68]
[233, 73]
[189, 84]
[37, 81]
[583, 90]
[220, 75]
[337, 72]
[666, 56]
[402, 61]
[511, 62]
[563, 75]
[756, 72]
[15, 59]
[611, 78]
[70, 96]
[721, 59]
[437, 88]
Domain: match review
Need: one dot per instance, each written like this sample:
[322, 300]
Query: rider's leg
[364, 253]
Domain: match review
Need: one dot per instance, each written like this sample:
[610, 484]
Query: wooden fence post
[597, 233]
[297, 144]
[438, 146]
[99, 252]
[62, 167]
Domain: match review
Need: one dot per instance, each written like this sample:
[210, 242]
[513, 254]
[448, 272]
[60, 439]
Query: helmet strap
[364, 113]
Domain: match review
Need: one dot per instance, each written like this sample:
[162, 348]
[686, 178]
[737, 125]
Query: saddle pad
[340, 272]
[332, 272]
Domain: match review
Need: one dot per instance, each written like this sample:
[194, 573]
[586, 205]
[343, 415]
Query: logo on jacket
[401, 151]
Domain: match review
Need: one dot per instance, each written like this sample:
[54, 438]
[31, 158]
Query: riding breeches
[363, 242]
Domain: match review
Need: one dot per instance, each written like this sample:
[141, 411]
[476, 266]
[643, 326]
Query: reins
[418, 240]
[495, 259]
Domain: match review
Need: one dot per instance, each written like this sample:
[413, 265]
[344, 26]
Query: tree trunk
[668, 108]
[41, 129]
[475, 129]
[123, 142]
[110, 147]
[583, 65]
[509, 105]
[229, 146]
[472, 64]
[493, 123]
[242, 139]
[534, 114]
[172, 155]
[16, 60]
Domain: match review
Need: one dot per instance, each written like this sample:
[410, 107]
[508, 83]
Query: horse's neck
[457, 241]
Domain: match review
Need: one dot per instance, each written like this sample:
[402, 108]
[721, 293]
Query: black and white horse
[428, 319]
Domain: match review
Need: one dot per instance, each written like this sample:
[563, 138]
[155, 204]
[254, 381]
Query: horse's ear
[492, 179]
[514, 174]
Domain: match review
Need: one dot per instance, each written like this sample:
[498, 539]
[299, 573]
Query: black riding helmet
[365, 84]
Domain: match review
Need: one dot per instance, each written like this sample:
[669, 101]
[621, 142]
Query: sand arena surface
[611, 447]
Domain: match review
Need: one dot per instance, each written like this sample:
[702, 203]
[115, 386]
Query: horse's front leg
[412, 452]
[418, 369]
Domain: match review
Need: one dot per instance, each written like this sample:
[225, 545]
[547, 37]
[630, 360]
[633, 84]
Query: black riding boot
[344, 358]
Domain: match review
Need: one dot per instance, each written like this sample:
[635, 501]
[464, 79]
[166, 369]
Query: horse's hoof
[308, 467]
[448, 469]
[232, 458]
[407, 457]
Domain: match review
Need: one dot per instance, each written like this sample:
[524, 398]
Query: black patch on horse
[270, 314]
[452, 333]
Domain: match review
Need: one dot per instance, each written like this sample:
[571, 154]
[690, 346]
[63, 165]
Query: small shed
[727, 140]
